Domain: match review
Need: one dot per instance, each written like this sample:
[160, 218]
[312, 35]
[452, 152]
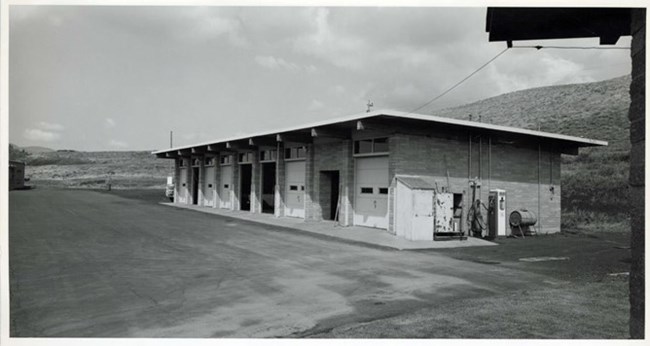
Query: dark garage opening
[195, 185]
[268, 187]
[329, 193]
[246, 172]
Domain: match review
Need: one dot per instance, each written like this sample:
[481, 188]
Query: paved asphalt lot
[85, 263]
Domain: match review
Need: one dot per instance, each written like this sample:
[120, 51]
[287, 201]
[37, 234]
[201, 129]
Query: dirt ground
[118, 264]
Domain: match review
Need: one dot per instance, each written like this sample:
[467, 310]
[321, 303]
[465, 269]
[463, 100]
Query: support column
[310, 189]
[347, 181]
[201, 181]
[189, 184]
[256, 194]
[177, 178]
[279, 181]
[217, 181]
[234, 192]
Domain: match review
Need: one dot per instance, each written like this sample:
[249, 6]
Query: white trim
[383, 153]
[404, 115]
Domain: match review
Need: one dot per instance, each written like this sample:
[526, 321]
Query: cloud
[315, 105]
[109, 123]
[50, 126]
[117, 144]
[346, 51]
[209, 23]
[41, 135]
[274, 63]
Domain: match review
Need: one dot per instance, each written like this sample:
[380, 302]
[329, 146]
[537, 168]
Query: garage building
[347, 169]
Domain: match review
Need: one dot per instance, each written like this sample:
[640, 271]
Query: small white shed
[422, 210]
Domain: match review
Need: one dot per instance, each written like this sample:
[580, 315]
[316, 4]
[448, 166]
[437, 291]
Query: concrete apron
[361, 235]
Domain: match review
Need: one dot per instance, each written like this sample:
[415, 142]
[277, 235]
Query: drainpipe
[539, 185]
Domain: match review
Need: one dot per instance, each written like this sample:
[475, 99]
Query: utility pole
[171, 133]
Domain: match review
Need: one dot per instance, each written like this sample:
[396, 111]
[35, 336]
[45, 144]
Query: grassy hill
[79, 169]
[594, 183]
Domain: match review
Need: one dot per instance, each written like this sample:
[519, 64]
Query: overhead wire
[538, 47]
[459, 83]
[569, 47]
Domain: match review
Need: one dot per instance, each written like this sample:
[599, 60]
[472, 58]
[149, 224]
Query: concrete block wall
[502, 166]
[330, 154]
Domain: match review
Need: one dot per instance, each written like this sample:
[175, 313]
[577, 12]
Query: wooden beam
[185, 152]
[199, 150]
[295, 137]
[360, 125]
[171, 154]
[262, 141]
[327, 133]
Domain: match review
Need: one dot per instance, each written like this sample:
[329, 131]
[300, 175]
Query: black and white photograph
[416, 172]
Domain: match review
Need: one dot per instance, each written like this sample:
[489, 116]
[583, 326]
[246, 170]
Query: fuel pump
[497, 213]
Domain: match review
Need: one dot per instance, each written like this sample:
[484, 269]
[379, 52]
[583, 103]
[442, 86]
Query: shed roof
[392, 114]
[417, 182]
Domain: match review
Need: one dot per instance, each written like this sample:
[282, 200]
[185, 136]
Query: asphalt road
[84, 263]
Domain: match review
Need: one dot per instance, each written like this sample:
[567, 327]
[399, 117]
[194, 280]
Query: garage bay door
[371, 192]
[225, 187]
[208, 187]
[295, 189]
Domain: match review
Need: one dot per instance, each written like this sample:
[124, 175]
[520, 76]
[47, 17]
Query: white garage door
[294, 200]
[208, 187]
[225, 187]
[182, 186]
[371, 192]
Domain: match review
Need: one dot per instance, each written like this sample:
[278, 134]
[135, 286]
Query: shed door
[295, 189]
[225, 187]
[208, 187]
[182, 187]
[371, 192]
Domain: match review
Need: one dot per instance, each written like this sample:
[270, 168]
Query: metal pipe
[539, 184]
[489, 162]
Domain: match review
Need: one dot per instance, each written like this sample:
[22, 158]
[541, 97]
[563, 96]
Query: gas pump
[497, 213]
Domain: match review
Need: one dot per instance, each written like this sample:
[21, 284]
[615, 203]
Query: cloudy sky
[120, 78]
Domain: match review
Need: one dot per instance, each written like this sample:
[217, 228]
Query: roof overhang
[304, 133]
[537, 23]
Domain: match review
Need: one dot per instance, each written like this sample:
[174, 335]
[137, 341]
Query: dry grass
[596, 310]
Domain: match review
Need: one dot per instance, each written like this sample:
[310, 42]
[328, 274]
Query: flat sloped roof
[577, 141]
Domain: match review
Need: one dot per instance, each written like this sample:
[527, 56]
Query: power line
[459, 83]
[568, 47]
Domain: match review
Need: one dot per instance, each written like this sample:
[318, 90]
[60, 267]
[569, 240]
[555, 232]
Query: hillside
[594, 183]
[37, 150]
[79, 169]
[594, 110]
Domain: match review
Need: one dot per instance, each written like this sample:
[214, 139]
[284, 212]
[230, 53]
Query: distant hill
[595, 110]
[37, 150]
[86, 169]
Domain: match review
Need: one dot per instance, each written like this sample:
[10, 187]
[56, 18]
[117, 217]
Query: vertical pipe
[489, 163]
[539, 183]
